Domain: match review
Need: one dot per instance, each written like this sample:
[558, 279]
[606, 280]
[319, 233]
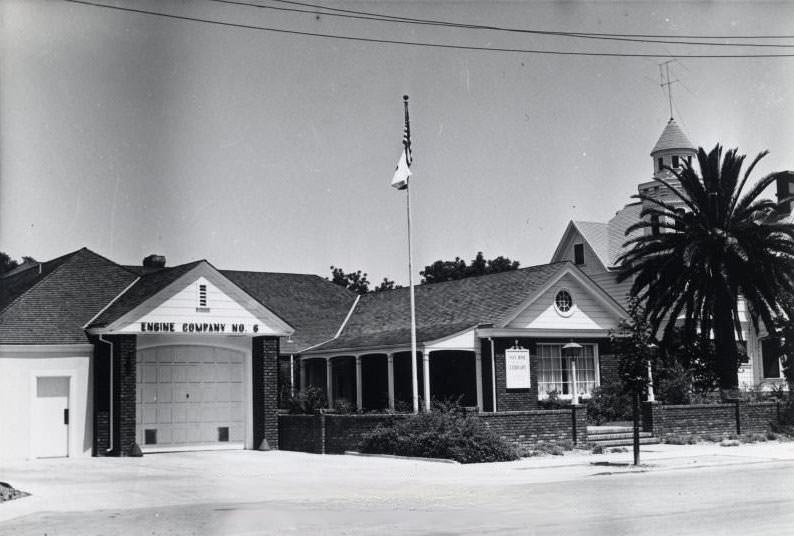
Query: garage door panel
[165, 373]
[165, 414]
[148, 414]
[191, 395]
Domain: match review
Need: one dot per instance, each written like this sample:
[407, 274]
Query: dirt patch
[7, 493]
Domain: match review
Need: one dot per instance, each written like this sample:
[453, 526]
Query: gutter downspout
[493, 373]
[110, 417]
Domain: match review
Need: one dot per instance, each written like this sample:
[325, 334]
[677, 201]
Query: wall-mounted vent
[202, 300]
[223, 433]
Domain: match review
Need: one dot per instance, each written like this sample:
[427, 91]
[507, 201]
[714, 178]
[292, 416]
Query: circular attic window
[563, 301]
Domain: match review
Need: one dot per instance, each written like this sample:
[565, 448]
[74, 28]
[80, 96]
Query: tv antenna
[665, 81]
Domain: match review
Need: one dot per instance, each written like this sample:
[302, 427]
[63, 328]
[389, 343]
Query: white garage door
[189, 396]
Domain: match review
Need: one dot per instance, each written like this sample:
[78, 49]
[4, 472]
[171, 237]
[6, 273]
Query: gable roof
[442, 309]
[53, 307]
[596, 234]
[312, 305]
[672, 138]
[622, 220]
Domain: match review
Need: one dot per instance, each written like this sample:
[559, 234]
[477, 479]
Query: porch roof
[383, 319]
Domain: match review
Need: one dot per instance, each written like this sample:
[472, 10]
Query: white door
[51, 418]
[190, 396]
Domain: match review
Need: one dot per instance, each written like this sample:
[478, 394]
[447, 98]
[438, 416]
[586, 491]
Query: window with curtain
[554, 371]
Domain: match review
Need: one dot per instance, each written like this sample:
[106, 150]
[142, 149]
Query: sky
[133, 134]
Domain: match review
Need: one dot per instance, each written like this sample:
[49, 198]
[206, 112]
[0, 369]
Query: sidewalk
[221, 477]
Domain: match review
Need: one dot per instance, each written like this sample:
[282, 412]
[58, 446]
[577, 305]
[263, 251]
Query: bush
[309, 400]
[553, 401]
[675, 386]
[446, 433]
[610, 402]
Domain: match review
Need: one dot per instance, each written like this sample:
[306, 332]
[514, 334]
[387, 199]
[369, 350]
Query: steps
[617, 436]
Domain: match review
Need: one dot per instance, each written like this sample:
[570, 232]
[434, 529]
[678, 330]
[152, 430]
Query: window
[660, 161]
[675, 161]
[563, 301]
[654, 224]
[689, 161]
[555, 375]
[150, 436]
[679, 225]
[770, 353]
[223, 434]
[578, 253]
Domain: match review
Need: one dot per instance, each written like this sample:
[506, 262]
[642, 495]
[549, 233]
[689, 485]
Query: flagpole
[414, 372]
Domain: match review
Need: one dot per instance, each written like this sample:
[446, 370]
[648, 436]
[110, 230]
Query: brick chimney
[153, 263]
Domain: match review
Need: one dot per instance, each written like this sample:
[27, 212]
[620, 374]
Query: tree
[355, 281]
[458, 269]
[386, 284]
[7, 263]
[697, 262]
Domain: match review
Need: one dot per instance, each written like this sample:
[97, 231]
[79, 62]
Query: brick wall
[344, 432]
[335, 434]
[526, 428]
[264, 362]
[303, 433]
[703, 419]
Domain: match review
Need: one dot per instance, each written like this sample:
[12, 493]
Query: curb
[395, 457]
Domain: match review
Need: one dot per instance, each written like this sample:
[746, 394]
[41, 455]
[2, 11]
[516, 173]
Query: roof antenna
[664, 77]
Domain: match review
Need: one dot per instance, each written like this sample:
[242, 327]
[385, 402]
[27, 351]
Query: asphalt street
[756, 497]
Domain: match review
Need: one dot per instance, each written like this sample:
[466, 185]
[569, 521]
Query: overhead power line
[419, 43]
[381, 17]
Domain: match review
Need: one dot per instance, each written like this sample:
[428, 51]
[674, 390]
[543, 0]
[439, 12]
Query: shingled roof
[672, 138]
[312, 305]
[442, 309]
[53, 307]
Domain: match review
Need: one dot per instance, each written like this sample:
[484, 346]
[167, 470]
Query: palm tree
[695, 263]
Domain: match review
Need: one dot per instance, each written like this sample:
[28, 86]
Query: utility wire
[363, 15]
[420, 43]
[652, 36]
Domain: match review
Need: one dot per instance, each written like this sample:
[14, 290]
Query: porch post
[329, 382]
[302, 374]
[390, 369]
[292, 375]
[359, 401]
[426, 377]
[478, 376]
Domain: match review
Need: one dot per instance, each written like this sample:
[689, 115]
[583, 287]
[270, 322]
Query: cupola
[672, 149]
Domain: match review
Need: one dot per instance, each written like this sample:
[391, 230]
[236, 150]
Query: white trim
[575, 272]
[570, 311]
[596, 369]
[70, 404]
[224, 284]
[349, 314]
[543, 333]
[235, 445]
[111, 302]
[70, 349]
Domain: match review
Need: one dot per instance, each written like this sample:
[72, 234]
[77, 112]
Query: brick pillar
[264, 357]
[124, 394]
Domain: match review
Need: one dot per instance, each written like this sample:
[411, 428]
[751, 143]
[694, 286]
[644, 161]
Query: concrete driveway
[301, 480]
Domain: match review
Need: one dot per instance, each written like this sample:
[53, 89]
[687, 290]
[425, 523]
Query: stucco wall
[19, 368]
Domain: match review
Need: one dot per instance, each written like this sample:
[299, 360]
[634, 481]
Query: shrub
[610, 402]
[598, 449]
[309, 400]
[553, 401]
[448, 433]
[675, 387]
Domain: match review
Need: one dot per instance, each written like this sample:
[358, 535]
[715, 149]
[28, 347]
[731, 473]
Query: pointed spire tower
[672, 150]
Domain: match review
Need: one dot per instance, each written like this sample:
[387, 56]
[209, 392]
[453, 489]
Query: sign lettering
[517, 368]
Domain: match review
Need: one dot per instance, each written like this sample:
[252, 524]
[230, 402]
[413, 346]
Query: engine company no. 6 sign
[517, 368]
